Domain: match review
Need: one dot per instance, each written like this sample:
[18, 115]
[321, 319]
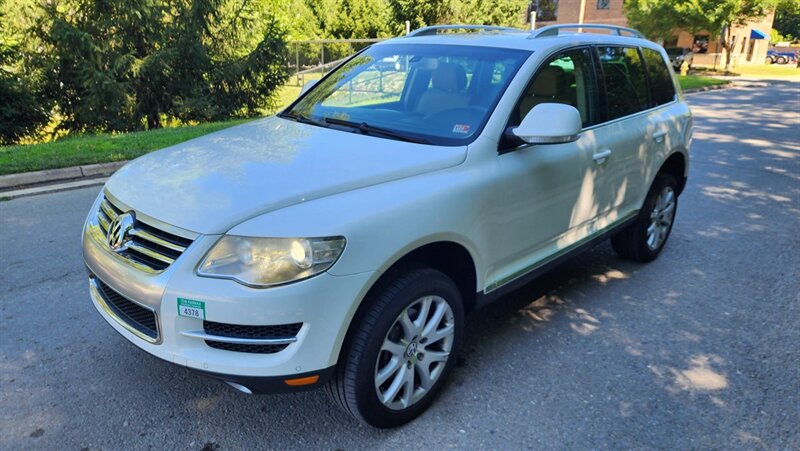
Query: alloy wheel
[661, 218]
[414, 352]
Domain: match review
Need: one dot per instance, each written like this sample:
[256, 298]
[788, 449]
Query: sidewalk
[52, 180]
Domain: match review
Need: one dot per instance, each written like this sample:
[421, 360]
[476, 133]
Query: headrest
[548, 83]
[449, 77]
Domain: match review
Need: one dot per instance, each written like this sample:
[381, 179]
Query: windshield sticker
[461, 128]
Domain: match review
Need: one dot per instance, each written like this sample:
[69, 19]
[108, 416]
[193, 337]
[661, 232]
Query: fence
[313, 58]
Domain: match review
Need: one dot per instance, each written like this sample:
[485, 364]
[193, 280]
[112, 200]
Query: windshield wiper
[367, 129]
[302, 119]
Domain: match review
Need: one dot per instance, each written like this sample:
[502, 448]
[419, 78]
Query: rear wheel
[781, 59]
[402, 350]
[643, 240]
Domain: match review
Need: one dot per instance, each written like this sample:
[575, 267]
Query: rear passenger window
[625, 82]
[567, 78]
[662, 90]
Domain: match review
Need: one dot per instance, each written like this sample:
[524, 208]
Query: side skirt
[483, 298]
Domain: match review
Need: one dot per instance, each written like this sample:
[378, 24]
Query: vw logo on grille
[118, 232]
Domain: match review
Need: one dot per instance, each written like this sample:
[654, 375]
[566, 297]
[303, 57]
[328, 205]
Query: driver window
[567, 78]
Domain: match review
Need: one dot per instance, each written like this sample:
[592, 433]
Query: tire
[636, 242]
[356, 387]
[781, 59]
[769, 60]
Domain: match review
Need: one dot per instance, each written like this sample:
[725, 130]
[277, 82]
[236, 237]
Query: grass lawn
[766, 70]
[104, 148]
[88, 149]
[696, 81]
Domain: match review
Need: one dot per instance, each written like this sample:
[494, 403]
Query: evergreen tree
[118, 66]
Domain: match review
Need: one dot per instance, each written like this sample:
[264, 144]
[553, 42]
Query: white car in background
[342, 242]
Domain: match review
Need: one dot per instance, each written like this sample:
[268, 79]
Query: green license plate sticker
[191, 309]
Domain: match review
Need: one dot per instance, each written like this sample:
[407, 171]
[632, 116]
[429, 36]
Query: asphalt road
[699, 349]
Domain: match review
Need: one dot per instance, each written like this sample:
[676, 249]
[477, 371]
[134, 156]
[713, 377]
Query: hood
[212, 183]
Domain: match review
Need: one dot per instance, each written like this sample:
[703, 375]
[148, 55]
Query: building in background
[751, 41]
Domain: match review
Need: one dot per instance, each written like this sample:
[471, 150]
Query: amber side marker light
[302, 381]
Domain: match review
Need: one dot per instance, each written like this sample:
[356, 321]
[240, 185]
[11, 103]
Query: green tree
[787, 19]
[358, 19]
[117, 66]
[659, 18]
[509, 13]
[419, 13]
[23, 108]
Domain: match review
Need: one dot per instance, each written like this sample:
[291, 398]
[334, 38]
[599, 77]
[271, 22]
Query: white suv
[342, 242]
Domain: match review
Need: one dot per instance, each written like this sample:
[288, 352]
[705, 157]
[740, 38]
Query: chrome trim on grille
[154, 239]
[239, 341]
[99, 298]
[151, 253]
[150, 247]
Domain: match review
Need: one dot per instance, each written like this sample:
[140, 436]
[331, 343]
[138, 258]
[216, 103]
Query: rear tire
[643, 240]
[402, 349]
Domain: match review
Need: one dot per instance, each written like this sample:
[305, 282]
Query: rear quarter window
[662, 89]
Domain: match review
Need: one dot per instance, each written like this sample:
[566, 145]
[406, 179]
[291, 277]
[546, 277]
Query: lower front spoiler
[259, 385]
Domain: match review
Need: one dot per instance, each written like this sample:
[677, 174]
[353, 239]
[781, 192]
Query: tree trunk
[153, 121]
[728, 44]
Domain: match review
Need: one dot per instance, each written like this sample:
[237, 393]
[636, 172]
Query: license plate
[191, 309]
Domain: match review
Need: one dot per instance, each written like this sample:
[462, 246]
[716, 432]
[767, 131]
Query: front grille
[240, 331]
[149, 247]
[133, 314]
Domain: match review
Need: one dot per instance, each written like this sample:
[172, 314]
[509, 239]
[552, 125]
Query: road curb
[52, 188]
[710, 88]
[26, 179]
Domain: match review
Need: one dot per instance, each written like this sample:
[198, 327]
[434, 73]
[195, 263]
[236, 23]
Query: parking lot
[698, 349]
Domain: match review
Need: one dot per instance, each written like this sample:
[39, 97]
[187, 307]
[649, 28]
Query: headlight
[264, 262]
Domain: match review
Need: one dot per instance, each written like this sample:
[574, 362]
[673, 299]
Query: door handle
[601, 157]
[659, 136]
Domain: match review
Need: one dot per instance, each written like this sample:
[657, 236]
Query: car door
[621, 140]
[548, 190]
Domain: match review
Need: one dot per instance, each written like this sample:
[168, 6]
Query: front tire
[402, 350]
[643, 240]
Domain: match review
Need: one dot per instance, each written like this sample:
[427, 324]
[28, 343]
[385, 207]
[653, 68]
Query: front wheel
[402, 350]
[643, 240]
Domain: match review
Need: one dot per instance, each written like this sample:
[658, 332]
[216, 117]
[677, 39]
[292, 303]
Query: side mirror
[549, 123]
[309, 84]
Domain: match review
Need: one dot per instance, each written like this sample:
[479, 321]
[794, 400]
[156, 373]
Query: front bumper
[323, 304]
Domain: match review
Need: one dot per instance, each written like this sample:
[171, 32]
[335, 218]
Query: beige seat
[447, 90]
[548, 87]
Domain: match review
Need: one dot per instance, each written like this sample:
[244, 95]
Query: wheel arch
[450, 257]
[676, 165]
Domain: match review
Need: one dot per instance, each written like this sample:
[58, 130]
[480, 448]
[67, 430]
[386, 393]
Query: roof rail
[553, 30]
[435, 29]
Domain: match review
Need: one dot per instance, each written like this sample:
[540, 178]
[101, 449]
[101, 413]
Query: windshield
[675, 52]
[438, 94]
